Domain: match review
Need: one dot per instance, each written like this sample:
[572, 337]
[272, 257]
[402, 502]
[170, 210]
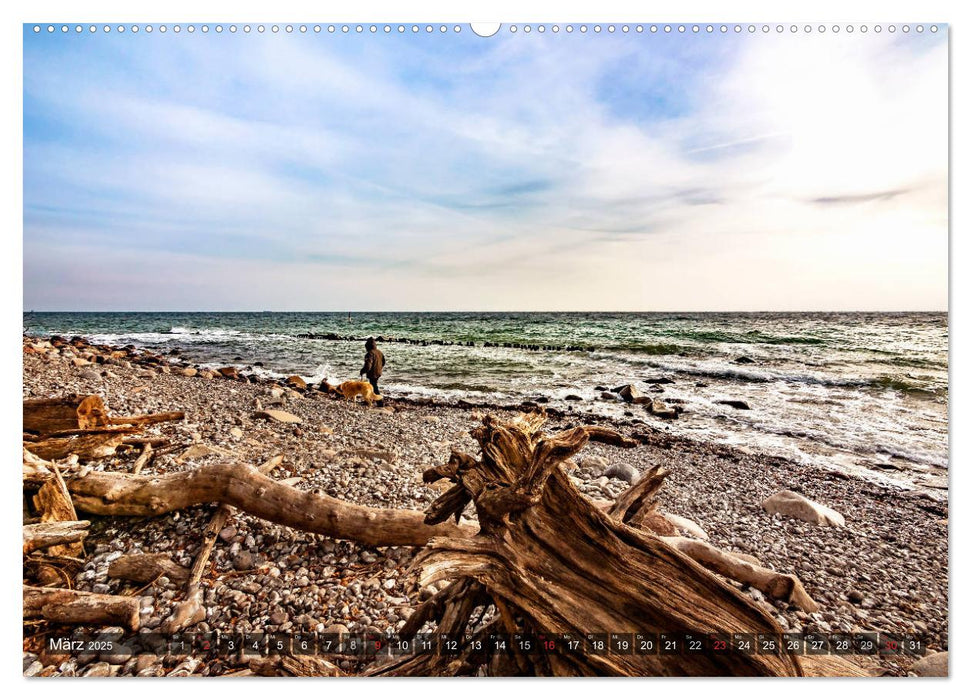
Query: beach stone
[227, 533]
[99, 670]
[230, 372]
[855, 597]
[624, 472]
[595, 462]
[932, 666]
[278, 617]
[244, 561]
[200, 451]
[90, 375]
[236, 432]
[631, 394]
[661, 410]
[734, 403]
[795, 505]
[659, 380]
[277, 392]
[189, 371]
[686, 526]
[277, 415]
[744, 360]
[34, 668]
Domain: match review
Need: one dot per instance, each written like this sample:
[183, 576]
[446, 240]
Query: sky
[638, 172]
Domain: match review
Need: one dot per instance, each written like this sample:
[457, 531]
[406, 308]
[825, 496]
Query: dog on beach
[353, 389]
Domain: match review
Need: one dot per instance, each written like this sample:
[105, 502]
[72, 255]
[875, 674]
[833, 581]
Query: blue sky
[444, 171]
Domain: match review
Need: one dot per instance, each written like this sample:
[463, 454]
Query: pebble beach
[885, 570]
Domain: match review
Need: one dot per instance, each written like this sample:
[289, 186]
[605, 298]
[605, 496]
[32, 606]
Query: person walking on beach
[373, 364]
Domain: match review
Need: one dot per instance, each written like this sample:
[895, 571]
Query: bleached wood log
[49, 415]
[43, 535]
[65, 606]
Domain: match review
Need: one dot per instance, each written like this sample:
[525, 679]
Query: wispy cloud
[444, 171]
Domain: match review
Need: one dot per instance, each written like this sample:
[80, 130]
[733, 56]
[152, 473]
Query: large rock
[735, 403]
[932, 666]
[631, 394]
[280, 416]
[230, 372]
[624, 472]
[796, 505]
[661, 410]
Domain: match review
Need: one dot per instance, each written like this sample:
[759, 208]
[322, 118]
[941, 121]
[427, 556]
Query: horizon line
[487, 311]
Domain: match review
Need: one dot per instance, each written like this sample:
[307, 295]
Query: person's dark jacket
[373, 360]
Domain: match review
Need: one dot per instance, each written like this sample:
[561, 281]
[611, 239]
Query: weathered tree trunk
[637, 507]
[549, 561]
[43, 535]
[242, 486]
[775, 585]
[46, 416]
[54, 503]
[64, 606]
[145, 568]
[147, 418]
[87, 446]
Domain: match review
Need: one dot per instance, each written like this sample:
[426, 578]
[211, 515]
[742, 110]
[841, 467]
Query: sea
[862, 393]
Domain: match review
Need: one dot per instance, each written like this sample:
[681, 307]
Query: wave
[906, 385]
[747, 338]
[208, 332]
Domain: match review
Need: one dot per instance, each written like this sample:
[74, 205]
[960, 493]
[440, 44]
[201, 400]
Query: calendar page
[440, 349]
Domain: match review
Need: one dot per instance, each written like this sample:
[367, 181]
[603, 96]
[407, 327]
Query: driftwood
[313, 666]
[775, 585]
[43, 535]
[46, 416]
[244, 487]
[147, 418]
[191, 610]
[57, 427]
[54, 503]
[64, 606]
[94, 444]
[145, 568]
[547, 560]
[637, 507]
[144, 458]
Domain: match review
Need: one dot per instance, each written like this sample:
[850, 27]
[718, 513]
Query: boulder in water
[631, 394]
[659, 380]
[660, 409]
[735, 403]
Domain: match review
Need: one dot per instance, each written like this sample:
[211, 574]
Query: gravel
[887, 570]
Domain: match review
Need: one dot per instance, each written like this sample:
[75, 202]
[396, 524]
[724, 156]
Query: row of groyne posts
[444, 343]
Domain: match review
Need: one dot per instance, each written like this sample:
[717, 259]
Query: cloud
[609, 172]
[861, 198]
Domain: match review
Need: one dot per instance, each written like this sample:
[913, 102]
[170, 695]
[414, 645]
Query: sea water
[860, 392]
